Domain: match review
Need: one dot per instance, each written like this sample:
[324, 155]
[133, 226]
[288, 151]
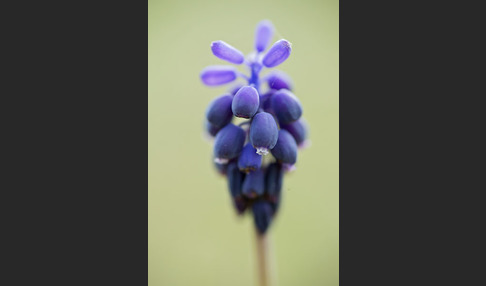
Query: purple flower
[263, 35]
[263, 132]
[285, 150]
[286, 106]
[265, 102]
[249, 160]
[245, 103]
[219, 111]
[228, 143]
[273, 180]
[277, 54]
[235, 182]
[218, 75]
[235, 179]
[254, 184]
[226, 52]
[279, 80]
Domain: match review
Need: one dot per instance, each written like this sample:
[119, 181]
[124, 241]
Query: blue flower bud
[286, 106]
[228, 143]
[285, 151]
[279, 80]
[227, 52]
[218, 75]
[273, 180]
[298, 129]
[219, 111]
[262, 215]
[249, 160]
[265, 102]
[263, 132]
[263, 35]
[254, 184]
[277, 54]
[245, 102]
[235, 179]
[273, 185]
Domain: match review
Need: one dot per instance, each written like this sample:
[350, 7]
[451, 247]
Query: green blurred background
[194, 235]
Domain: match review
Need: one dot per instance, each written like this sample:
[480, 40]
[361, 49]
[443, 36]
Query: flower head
[274, 127]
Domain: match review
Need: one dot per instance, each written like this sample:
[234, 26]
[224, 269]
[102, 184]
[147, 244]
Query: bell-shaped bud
[235, 183]
[235, 179]
[219, 111]
[265, 102]
[286, 106]
[218, 75]
[277, 54]
[263, 35]
[245, 102]
[254, 184]
[249, 160]
[285, 151]
[227, 52]
[228, 143]
[273, 180]
[279, 80]
[263, 132]
[273, 185]
[298, 129]
[262, 215]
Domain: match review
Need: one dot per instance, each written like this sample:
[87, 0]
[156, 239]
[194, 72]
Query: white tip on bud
[221, 160]
[262, 151]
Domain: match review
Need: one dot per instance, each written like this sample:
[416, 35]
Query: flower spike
[274, 125]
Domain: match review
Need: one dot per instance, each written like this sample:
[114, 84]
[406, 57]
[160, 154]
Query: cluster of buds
[273, 126]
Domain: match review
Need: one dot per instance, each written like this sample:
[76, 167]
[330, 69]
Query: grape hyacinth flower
[279, 80]
[249, 159]
[245, 102]
[286, 106]
[263, 132]
[285, 151]
[254, 184]
[228, 143]
[255, 154]
[218, 113]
